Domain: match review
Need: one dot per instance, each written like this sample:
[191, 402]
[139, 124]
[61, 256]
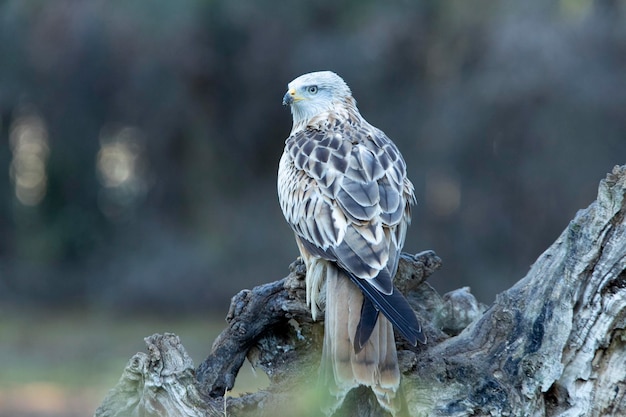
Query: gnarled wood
[159, 383]
[552, 345]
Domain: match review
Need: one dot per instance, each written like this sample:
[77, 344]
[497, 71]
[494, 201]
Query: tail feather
[396, 308]
[369, 316]
[343, 368]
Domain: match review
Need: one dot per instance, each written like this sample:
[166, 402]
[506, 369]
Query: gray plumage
[343, 189]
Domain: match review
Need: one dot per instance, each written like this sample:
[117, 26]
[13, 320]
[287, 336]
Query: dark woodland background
[139, 142]
[141, 139]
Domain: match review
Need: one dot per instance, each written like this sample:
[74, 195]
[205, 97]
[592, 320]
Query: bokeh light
[28, 138]
[121, 169]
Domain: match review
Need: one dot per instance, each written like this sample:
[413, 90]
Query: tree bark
[552, 345]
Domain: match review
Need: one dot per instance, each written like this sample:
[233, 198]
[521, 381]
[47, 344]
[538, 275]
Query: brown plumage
[343, 189]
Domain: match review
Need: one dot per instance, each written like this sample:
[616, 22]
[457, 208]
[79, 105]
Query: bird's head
[314, 93]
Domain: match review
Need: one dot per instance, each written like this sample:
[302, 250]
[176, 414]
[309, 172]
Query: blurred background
[139, 144]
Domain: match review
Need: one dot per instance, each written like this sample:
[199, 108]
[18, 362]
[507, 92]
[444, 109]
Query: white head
[317, 92]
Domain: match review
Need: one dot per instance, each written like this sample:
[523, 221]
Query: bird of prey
[343, 189]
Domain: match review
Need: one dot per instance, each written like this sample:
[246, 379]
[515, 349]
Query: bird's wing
[348, 199]
[344, 191]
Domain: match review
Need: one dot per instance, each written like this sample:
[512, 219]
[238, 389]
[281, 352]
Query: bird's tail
[375, 365]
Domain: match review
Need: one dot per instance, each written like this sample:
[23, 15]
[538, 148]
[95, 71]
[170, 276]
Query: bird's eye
[312, 89]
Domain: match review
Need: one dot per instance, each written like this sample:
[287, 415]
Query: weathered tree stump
[552, 345]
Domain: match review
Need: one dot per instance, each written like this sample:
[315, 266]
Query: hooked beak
[290, 97]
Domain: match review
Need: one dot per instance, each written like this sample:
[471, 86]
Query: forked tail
[375, 365]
